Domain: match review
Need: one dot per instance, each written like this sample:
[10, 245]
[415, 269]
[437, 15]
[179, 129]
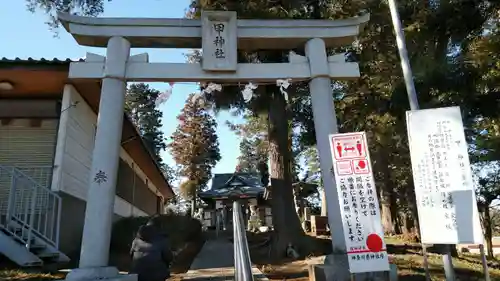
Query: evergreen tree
[79, 7]
[140, 104]
[487, 191]
[254, 146]
[246, 160]
[195, 147]
[252, 152]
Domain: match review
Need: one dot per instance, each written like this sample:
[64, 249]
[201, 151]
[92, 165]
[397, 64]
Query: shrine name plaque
[219, 40]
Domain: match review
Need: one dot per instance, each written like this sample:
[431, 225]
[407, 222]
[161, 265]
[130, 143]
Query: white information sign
[219, 41]
[442, 176]
[359, 206]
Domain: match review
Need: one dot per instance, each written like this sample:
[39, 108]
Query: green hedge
[180, 229]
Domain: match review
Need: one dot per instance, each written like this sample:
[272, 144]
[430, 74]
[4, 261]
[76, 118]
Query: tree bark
[405, 224]
[286, 223]
[386, 192]
[193, 206]
[488, 233]
[394, 211]
[387, 224]
[413, 212]
[324, 209]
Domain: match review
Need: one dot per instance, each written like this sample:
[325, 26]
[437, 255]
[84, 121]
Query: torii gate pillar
[325, 123]
[94, 254]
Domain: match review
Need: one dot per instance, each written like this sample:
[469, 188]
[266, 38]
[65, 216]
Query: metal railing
[28, 209]
[40, 174]
[242, 262]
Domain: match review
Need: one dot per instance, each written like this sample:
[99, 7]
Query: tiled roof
[249, 184]
[221, 180]
[30, 60]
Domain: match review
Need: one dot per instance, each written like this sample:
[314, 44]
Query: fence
[29, 209]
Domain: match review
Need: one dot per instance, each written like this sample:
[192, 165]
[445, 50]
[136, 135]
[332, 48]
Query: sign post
[359, 207]
[444, 190]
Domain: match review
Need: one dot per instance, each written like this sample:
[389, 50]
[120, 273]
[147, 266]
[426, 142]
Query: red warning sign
[361, 167]
[349, 146]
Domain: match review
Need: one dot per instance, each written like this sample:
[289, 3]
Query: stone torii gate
[220, 34]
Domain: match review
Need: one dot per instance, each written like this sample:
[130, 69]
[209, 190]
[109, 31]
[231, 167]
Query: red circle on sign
[374, 243]
[361, 164]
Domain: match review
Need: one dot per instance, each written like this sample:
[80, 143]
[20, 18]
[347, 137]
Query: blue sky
[23, 34]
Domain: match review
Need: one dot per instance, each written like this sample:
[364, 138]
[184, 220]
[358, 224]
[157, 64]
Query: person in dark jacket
[151, 253]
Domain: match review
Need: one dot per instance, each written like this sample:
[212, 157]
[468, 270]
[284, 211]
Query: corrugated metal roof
[30, 60]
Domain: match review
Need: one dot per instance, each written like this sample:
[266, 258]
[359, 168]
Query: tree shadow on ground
[18, 275]
[404, 249]
[408, 270]
[477, 260]
[185, 258]
[283, 275]
[260, 248]
[180, 264]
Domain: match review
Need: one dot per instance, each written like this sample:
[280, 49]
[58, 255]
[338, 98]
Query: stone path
[215, 261]
[214, 254]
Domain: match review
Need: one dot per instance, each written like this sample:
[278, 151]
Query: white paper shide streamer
[212, 87]
[283, 84]
[248, 91]
[165, 95]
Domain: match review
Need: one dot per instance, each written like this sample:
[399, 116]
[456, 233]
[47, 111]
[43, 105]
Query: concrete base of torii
[326, 272]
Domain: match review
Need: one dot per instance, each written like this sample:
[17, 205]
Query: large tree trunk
[193, 207]
[286, 223]
[324, 209]
[386, 194]
[387, 224]
[384, 185]
[488, 233]
[411, 200]
[395, 211]
[298, 202]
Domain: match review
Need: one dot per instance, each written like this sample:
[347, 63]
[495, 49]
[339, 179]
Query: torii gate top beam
[187, 33]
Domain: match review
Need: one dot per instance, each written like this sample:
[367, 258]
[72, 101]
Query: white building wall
[73, 157]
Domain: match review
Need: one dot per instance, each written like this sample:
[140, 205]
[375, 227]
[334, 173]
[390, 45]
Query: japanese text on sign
[442, 177]
[358, 203]
[219, 40]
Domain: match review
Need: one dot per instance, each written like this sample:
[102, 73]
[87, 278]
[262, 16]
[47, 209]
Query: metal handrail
[33, 210]
[242, 262]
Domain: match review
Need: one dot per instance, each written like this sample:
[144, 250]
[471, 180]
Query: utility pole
[412, 97]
